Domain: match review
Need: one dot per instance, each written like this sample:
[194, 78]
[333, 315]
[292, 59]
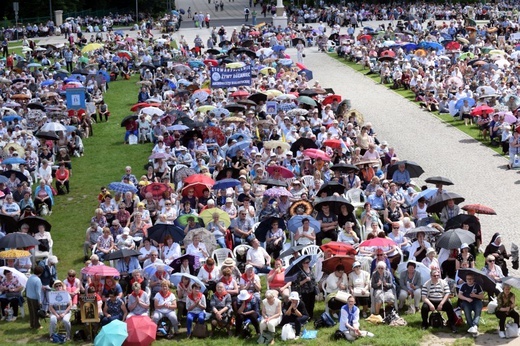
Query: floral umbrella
[214, 133]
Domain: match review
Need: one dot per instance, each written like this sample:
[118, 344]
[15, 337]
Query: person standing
[207, 20]
[253, 15]
[300, 47]
[246, 14]
[33, 292]
[5, 48]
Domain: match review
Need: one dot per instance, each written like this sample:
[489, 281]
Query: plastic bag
[511, 330]
[309, 334]
[288, 332]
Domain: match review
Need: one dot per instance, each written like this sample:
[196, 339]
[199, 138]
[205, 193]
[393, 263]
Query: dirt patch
[446, 339]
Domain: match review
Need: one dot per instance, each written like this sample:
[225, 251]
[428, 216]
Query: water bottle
[9, 313]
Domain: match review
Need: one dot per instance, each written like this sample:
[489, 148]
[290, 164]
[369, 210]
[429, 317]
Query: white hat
[242, 176]
[356, 264]
[244, 295]
[126, 230]
[229, 200]
[294, 296]
[464, 246]
[249, 266]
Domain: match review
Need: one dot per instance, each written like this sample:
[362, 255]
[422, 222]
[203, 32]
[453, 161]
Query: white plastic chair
[354, 197]
[308, 181]
[240, 248]
[311, 250]
[220, 255]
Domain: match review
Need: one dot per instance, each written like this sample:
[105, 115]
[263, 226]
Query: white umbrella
[19, 275]
[264, 52]
[151, 269]
[53, 126]
[152, 111]
[6, 111]
[419, 267]
[284, 97]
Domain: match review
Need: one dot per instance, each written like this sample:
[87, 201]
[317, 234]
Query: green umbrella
[486, 50]
[307, 100]
[83, 59]
[463, 56]
[183, 219]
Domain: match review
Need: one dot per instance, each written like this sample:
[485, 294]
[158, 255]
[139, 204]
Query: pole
[136, 11]
[50, 9]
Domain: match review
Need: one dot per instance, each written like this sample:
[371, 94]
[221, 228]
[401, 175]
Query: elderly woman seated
[138, 301]
[165, 306]
[382, 286]
[221, 309]
[60, 312]
[410, 281]
[271, 312]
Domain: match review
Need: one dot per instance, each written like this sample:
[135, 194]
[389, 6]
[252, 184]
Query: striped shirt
[435, 292]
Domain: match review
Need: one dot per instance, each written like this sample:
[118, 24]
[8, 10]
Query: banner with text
[222, 77]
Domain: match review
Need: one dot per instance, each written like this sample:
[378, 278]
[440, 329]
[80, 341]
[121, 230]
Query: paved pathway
[232, 9]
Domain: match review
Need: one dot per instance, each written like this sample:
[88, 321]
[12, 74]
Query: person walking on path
[33, 292]
[253, 16]
[246, 14]
[5, 48]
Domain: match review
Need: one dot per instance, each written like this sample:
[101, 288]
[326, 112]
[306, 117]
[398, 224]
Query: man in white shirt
[258, 258]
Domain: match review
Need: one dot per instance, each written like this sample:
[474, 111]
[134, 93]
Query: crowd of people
[280, 178]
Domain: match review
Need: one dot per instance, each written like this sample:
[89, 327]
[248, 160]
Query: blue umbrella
[296, 221]
[9, 118]
[161, 230]
[182, 11]
[460, 102]
[219, 111]
[34, 64]
[427, 194]
[195, 63]
[286, 62]
[177, 128]
[431, 45]
[446, 36]
[286, 106]
[171, 84]
[151, 269]
[238, 135]
[232, 151]
[294, 269]
[113, 334]
[47, 82]
[199, 95]
[61, 74]
[3, 179]
[176, 278]
[184, 82]
[116, 59]
[14, 160]
[278, 48]
[409, 47]
[175, 12]
[368, 29]
[225, 183]
[106, 75]
[306, 73]
[122, 187]
[119, 32]
[70, 128]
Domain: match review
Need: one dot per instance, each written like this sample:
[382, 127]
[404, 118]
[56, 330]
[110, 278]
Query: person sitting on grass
[435, 295]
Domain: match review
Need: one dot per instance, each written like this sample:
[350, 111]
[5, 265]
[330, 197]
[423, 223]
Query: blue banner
[76, 98]
[222, 77]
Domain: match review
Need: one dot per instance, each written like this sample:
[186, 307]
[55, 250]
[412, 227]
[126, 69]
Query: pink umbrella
[276, 192]
[316, 154]
[155, 156]
[508, 117]
[101, 271]
[284, 172]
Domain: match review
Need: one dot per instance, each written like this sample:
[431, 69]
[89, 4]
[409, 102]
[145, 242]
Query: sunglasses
[491, 261]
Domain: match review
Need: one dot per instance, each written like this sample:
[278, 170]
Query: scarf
[222, 295]
[138, 294]
[206, 268]
[133, 280]
[225, 281]
[192, 297]
[164, 295]
[71, 282]
[159, 275]
[246, 278]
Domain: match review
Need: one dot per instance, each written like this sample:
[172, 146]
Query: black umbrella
[33, 222]
[176, 264]
[294, 269]
[334, 37]
[17, 240]
[235, 173]
[188, 136]
[121, 254]
[330, 188]
[344, 168]
[265, 226]
[247, 102]
[308, 92]
[148, 65]
[297, 40]
[454, 238]
[335, 203]
[247, 52]
[161, 230]
[439, 180]
[81, 71]
[127, 119]
[224, 43]
[50, 135]
[306, 143]
[272, 182]
[9, 223]
[234, 107]
[487, 283]
[18, 174]
[36, 105]
[225, 60]
[248, 43]
[440, 201]
[413, 168]
[470, 220]
[213, 51]
[257, 97]
[291, 250]
[185, 121]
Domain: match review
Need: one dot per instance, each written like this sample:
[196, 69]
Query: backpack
[325, 320]
[436, 320]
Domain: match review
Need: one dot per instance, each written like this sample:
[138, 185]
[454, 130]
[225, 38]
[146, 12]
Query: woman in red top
[276, 277]
[62, 179]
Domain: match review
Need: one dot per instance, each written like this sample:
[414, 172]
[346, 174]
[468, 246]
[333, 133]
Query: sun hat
[229, 200]
[464, 246]
[57, 282]
[429, 251]
[249, 266]
[244, 295]
[356, 264]
[229, 262]
[294, 296]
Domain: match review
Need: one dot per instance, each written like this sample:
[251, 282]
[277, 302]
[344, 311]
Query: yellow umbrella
[207, 216]
[259, 26]
[16, 147]
[90, 47]
[204, 109]
[267, 70]
[276, 144]
[235, 65]
[496, 52]
[14, 254]
[420, 52]
[273, 93]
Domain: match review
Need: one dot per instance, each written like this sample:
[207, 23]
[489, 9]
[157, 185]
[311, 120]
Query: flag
[344, 146]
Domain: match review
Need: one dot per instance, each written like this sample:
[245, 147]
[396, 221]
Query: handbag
[516, 161]
[44, 245]
[200, 331]
[342, 296]
[511, 330]
[358, 292]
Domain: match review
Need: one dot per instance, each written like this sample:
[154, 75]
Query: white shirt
[160, 301]
[200, 251]
[204, 275]
[258, 256]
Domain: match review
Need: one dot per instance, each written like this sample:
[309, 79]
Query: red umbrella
[316, 154]
[211, 62]
[124, 55]
[284, 172]
[365, 37]
[156, 189]
[240, 93]
[479, 209]
[215, 133]
[331, 98]
[71, 85]
[329, 265]
[339, 248]
[483, 109]
[333, 143]
[141, 331]
[301, 66]
[101, 271]
[387, 54]
[199, 178]
[198, 188]
[378, 242]
[140, 105]
[453, 45]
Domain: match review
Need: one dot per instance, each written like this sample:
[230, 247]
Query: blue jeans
[263, 270]
[476, 307]
[222, 242]
[198, 316]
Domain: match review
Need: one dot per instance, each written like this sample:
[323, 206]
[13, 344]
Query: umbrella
[17, 240]
[183, 220]
[235, 173]
[235, 107]
[50, 135]
[330, 99]
[159, 231]
[176, 278]
[413, 168]
[487, 283]
[338, 248]
[439, 180]
[292, 250]
[22, 278]
[297, 112]
[306, 143]
[307, 100]
[330, 188]
[460, 102]
[470, 220]
[207, 216]
[225, 184]
[152, 110]
[142, 331]
[100, 271]
[307, 74]
[301, 207]
[455, 81]
[198, 188]
[121, 254]
[20, 97]
[17, 147]
[479, 209]
[265, 226]
[206, 237]
[438, 203]
[199, 178]
[112, 334]
[378, 242]
[276, 192]
[275, 144]
[193, 263]
[36, 105]
[482, 109]
[316, 154]
[54, 126]
[273, 182]
[9, 224]
[157, 155]
[284, 172]
[177, 128]
[296, 222]
[335, 203]
[344, 168]
[151, 269]
[511, 281]
[232, 150]
[214, 133]
[14, 254]
[454, 238]
[419, 267]
[427, 194]
[293, 270]
[329, 265]
[427, 230]
[33, 222]
[90, 47]
[156, 189]
[246, 102]
[122, 187]
[258, 97]
[333, 143]
[22, 177]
